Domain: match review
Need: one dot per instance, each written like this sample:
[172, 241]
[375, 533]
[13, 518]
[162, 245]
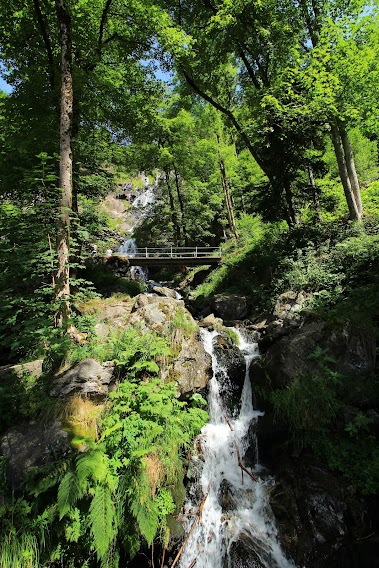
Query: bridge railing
[177, 252]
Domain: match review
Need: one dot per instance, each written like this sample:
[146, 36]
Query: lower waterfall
[236, 528]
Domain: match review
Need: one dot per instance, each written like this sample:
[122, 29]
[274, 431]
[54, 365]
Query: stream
[236, 528]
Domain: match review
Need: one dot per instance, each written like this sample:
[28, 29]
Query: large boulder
[191, 366]
[30, 445]
[231, 372]
[353, 349]
[88, 378]
[32, 368]
[156, 313]
[230, 307]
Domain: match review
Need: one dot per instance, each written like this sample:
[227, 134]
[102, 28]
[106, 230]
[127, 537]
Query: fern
[68, 493]
[101, 514]
[147, 518]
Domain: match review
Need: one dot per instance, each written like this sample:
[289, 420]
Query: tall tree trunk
[225, 186]
[350, 166]
[62, 288]
[174, 216]
[314, 189]
[181, 205]
[290, 206]
[342, 168]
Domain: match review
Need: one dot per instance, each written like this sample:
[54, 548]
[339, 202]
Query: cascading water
[236, 528]
[140, 207]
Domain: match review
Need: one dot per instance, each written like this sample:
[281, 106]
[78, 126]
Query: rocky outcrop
[212, 323]
[164, 291]
[88, 378]
[231, 373]
[191, 365]
[230, 307]
[315, 510]
[32, 368]
[353, 351]
[30, 445]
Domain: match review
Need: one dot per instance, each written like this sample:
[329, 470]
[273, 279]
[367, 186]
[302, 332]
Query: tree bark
[350, 166]
[181, 205]
[62, 288]
[226, 188]
[342, 168]
[174, 216]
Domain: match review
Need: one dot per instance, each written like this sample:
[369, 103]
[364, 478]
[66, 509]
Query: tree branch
[46, 40]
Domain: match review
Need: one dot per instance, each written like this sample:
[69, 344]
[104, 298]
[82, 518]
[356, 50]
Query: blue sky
[4, 86]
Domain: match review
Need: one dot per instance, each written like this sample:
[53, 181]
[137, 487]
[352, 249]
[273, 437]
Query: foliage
[319, 412]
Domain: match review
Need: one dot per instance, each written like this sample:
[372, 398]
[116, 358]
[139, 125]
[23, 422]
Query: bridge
[183, 256]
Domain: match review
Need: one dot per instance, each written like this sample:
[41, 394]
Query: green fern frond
[68, 493]
[101, 518]
[147, 517]
[92, 465]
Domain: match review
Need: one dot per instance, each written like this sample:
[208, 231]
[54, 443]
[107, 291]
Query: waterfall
[140, 207]
[236, 528]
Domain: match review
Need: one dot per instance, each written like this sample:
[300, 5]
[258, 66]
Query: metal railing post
[146, 252]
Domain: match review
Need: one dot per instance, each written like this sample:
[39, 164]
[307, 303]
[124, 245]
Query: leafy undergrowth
[97, 506]
[335, 262]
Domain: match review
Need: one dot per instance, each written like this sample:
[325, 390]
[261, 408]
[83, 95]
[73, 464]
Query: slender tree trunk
[181, 205]
[62, 289]
[314, 189]
[174, 216]
[290, 206]
[225, 186]
[342, 168]
[350, 166]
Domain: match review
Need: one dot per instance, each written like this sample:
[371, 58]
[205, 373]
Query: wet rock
[243, 554]
[353, 350]
[226, 496]
[88, 378]
[230, 307]
[231, 375]
[32, 444]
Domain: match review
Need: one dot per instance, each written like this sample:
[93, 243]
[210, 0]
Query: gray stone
[192, 366]
[88, 378]
[211, 322]
[230, 307]
[165, 292]
[32, 444]
[32, 368]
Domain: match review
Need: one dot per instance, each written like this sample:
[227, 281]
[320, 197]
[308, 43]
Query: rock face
[88, 378]
[230, 307]
[32, 368]
[353, 351]
[32, 444]
[165, 292]
[191, 367]
[231, 381]
[211, 322]
[315, 511]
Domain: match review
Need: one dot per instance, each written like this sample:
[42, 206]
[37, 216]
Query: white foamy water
[236, 511]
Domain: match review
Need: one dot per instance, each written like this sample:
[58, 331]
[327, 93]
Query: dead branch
[242, 466]
[196, 521]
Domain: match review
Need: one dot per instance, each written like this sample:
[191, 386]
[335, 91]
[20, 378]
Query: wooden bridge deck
[182, 256]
